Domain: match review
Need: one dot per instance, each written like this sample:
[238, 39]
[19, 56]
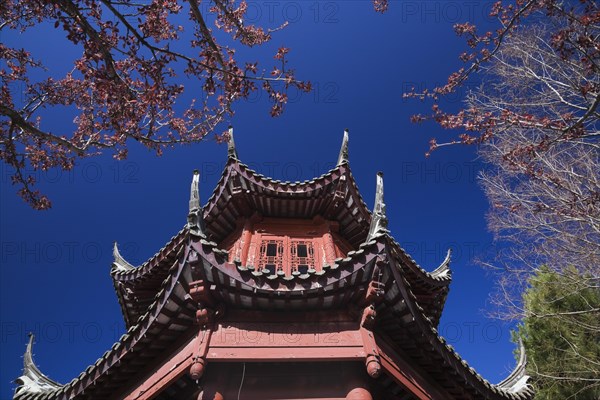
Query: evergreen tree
[561, 334]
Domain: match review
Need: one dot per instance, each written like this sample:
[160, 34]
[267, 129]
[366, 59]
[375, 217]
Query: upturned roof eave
[433, 278]
[255, 281]
[287, 190]
[33, 380]
[252, 278]
[132, 279]
[454, 364]
[127, 343]
[131, 340]
[145, 269]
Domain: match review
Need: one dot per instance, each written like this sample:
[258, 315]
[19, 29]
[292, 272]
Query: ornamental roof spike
[195, 192]
[444, 269]
[33, 380]
[231, 151]
[195, 221]
[516, 382]
[119, 263]
[343, 156]
[379, 221]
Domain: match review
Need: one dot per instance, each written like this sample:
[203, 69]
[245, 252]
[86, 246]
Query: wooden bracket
[200, 292]
[368, 317]
[199, 360]
[373, 359]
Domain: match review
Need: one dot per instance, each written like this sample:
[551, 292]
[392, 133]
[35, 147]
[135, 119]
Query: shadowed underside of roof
[402, 321]
[241, 192]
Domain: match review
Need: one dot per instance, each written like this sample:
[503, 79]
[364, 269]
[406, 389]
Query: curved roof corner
[231, 150]
[379, 221]
[443, 271]
[195, 220]
[343, 156]
[517, 381]
[33, 380]
[119, 263]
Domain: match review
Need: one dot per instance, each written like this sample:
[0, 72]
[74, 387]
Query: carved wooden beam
[165, 374]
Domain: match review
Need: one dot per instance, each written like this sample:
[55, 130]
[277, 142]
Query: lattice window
[302, 256]
[271, 256]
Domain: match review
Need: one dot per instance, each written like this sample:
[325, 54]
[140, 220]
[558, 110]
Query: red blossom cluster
[135, 64]
[575, 38]
[380, 6]
[128, 82]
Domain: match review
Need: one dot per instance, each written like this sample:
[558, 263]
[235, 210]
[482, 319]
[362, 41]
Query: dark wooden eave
[245, 285]
[401, 323]
[405, 325]
[335, 286]
[430, 288]
[136, 288]
[242, 191]
[166, 321]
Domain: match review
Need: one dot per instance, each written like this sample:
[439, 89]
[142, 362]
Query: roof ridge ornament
[231, 150]
[119, 263]
[343, 156]
[33, 380]
[516, 382]
[379, 221]
[444, 268]
[195, 222]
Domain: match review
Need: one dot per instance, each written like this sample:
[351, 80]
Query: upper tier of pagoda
[280, 234]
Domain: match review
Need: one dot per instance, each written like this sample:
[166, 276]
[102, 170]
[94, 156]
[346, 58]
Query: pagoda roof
[242, 191]
[246, 284]
[163, 324]
[404, 323]
[136, 287]
[33, 380]
[160, 313]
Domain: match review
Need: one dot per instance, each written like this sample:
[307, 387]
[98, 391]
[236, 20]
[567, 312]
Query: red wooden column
[328, 244]
[246, 240]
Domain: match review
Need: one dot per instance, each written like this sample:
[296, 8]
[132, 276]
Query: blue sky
[55, 265]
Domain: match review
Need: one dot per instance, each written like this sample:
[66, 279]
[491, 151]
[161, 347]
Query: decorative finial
[444, 269]
[231, 151]
[32, 380]
[195, 191]
[343, 157]
[516, 382]
[195, 222]
[119, 263]
[378, 218]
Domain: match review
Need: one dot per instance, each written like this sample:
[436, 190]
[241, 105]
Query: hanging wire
[242, 381]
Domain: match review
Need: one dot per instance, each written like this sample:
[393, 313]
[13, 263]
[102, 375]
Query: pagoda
[279, 290]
